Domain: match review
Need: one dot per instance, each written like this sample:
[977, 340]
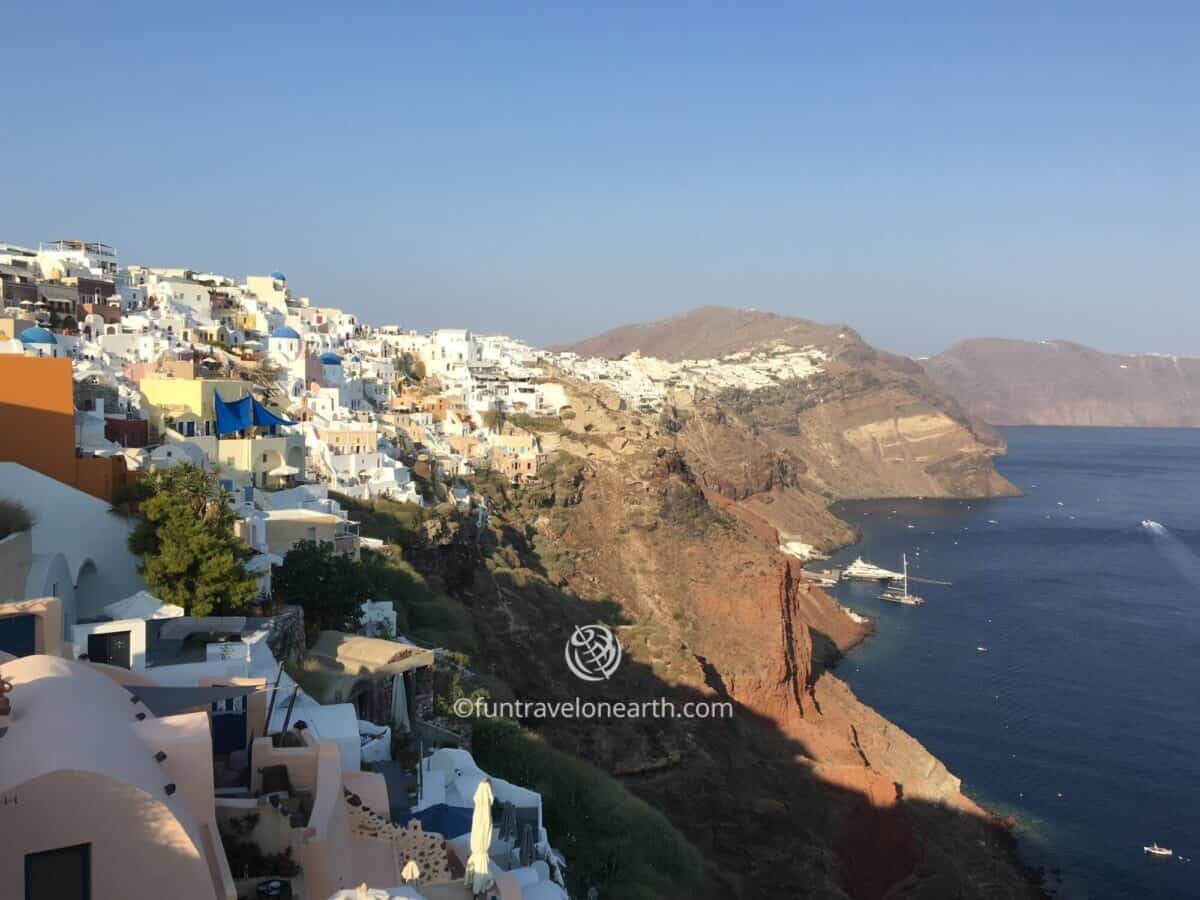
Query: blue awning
[231, 416]
[237, 415]
[260, 415]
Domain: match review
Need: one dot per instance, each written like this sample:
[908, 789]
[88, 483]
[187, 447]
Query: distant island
[1007, 382]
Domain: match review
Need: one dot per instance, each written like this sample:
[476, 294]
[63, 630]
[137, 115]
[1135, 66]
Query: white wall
[81, 528]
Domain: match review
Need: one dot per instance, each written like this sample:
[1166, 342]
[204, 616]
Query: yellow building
[349, 437]
[266, 461]
[185, 405]
[183, 410]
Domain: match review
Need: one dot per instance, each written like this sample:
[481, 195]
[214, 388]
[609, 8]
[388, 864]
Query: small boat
[827, 577]
[901, 595]
[860, 570]
[1155, 850]
[982, 649]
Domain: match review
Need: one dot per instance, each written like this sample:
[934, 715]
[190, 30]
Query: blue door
[229, 725]
[17, 635]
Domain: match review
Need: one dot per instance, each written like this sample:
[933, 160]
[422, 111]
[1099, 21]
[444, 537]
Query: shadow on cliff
[785, 816]
[784, 797]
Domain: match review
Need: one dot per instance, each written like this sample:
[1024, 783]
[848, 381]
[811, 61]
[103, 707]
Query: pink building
[98, 798]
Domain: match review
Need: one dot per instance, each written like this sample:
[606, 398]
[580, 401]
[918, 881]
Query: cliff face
[805, 792]
[1060, 383]
[868, 424]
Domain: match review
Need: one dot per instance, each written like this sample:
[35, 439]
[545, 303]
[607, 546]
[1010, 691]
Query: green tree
[328, 586]
[190, 554]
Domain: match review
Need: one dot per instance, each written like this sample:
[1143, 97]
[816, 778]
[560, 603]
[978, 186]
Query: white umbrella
[411, 873]
[479, 876]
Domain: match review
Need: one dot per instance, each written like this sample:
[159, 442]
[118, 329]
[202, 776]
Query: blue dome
[37, 335]
[355, 358]
[285, 332]
[279, 276]
[331, 359]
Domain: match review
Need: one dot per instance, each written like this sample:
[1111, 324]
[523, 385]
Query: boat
[860, 570]
[901, 595]
[982, 649]
[1155, 850]
[827, 577]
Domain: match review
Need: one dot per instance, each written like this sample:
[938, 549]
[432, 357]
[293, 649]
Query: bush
[421, 614]
[127, 498]
[14, 518]
[246, 858]
[613, 841]
[387, 520]
[328, 586]
[535, 423]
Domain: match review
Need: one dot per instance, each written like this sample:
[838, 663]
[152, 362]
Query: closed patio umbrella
[525, 850]
[508, 822]
[479, 878]
[411, 873]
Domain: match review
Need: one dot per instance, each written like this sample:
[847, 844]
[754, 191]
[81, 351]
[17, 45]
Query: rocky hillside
[1060, 383]
[804, 792]
[870, 424]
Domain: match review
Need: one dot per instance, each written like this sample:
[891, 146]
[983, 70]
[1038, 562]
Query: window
[62, 874]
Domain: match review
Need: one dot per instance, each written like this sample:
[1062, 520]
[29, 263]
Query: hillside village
[116, 376]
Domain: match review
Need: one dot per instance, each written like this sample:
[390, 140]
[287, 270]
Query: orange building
[37, 426]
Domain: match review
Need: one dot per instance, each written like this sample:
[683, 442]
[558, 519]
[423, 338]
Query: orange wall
[37, 426]
[101, 475]
[37, 415]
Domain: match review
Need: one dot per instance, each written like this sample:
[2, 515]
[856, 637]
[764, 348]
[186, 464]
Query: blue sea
[1082, 717]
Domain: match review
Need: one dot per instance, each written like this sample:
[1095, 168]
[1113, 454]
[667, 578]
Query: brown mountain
[658, 525]
[1060, 383]
[668, 525]
[871, 424]
[706, 332]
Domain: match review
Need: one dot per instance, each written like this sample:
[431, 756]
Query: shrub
[14, 518]
[246, 858]
[614, 842]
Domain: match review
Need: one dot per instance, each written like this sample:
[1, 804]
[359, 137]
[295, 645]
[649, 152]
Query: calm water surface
[1082, 718]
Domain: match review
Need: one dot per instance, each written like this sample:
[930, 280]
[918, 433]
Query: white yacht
[1155, 850]
[860, 570]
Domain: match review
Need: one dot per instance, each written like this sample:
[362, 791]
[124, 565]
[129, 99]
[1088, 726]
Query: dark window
[17, 635]
[111, 648]
[62, 874]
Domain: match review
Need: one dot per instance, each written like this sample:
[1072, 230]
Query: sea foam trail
[1182, 557]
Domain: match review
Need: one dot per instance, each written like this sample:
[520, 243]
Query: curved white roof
[55, 703]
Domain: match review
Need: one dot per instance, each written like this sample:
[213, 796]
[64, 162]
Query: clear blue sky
[924, 172]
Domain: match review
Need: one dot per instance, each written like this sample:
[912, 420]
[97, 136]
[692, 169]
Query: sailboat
[901, 595]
